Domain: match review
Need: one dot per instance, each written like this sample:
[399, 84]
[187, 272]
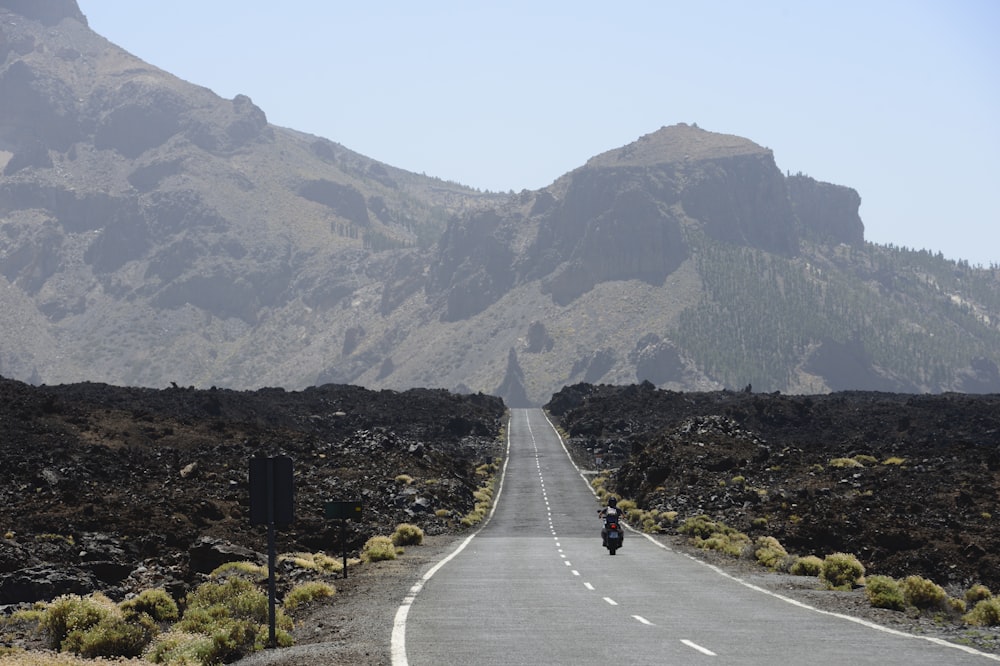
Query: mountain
[156, 233]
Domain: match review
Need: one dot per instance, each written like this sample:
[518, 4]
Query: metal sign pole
[271, 556]
[343, 511]
[343, 542]
[272, 501]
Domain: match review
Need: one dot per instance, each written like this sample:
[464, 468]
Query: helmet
[613, 501]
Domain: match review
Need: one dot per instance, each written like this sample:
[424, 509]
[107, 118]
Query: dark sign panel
[343, 510]
[272, 491]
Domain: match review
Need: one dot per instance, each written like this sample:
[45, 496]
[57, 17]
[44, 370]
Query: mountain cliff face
[152, 232]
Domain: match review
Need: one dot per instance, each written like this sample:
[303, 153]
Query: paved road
[534, 586]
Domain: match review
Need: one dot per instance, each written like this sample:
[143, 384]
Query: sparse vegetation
[407, 535]
[319, 562]
[986, 613]
[233, 614]
[155, 603]
[712, 535]
[808, 565]
[922, 593]
[306, 593]
[977, 593]
[841, 571]
[379, 548]
[483, 495]
[884, 592]
[242, 568]
[769, 552]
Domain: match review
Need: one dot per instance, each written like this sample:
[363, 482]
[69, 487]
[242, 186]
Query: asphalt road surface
[534, 586]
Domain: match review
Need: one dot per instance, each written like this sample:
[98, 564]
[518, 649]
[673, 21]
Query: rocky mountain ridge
[153, 232]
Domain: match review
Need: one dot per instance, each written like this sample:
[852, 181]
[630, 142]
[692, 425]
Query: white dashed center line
[695, 646]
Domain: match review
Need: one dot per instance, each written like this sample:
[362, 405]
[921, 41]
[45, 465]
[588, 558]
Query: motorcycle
[613, 535]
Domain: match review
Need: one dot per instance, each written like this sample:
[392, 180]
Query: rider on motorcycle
[610, 511]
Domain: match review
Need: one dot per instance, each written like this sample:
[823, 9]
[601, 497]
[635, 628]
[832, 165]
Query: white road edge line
[856, 620]
[695, 646]
[397, 645]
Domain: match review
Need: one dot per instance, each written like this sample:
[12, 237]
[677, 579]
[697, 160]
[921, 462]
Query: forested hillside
[771, 321]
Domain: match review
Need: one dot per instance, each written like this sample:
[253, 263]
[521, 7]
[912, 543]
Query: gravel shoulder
[355, 625]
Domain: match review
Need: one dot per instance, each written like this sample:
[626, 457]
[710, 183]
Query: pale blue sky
[899, 100]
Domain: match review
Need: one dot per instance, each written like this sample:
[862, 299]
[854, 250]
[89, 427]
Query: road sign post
[343, 511]
[272, 501]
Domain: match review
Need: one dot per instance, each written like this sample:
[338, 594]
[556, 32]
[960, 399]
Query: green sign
[343, 510]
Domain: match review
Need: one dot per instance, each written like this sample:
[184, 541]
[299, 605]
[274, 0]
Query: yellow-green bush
[884, 592]
[242, 568]
[626, 505]
[319, 562]
[180, 648]
[841, 571]
[404, 479]
[731, 542]
[407, 535]
[156, 603]
[74, 613]
[977, 593]
[113, 636]
[702, 527]
[986, 613]
[713, 535]
[922, 593]
[483, 496]
[234, 614]
[93, 626]
[845, 462]
[378, 548]
[769, 552]
[308, 592]
[809, 565]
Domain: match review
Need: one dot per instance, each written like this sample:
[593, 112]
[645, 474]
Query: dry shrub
[986, 613]
[769, 552]
[841, 571]
[156, 603]
[378, 548]
[977, 593]
[73, 613]
[884, 592]
[810, 565]
[407, 535]
[306, 593]
[922, 593]
[702, 527]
